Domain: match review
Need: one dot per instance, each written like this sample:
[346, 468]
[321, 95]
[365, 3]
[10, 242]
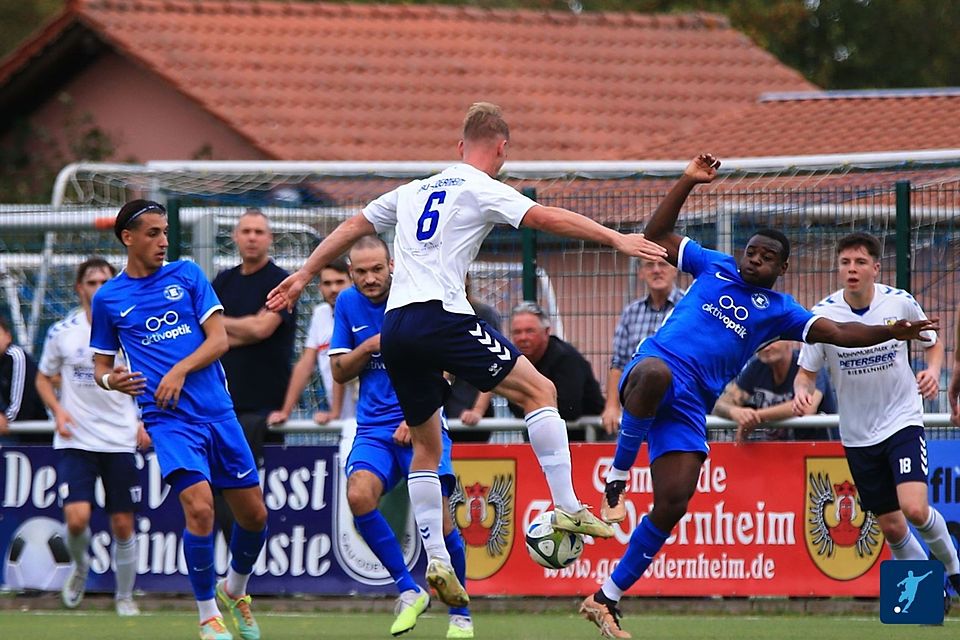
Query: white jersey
[440, 224]
[103, 421]
[318, 337]
[876, 388]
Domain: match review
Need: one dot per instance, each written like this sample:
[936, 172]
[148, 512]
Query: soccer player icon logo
[911, 592]
[909, 584]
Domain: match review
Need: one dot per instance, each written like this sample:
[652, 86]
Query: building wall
[145, 117]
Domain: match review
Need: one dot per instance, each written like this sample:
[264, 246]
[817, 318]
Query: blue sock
[458, 558]
[198, 552]
[644, 544]
[379, 537]
[245, 548]
[633, 431]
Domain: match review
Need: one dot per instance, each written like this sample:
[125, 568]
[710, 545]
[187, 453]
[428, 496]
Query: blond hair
[484, 121]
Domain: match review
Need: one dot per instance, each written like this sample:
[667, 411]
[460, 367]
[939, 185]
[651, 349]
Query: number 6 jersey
[441, 222]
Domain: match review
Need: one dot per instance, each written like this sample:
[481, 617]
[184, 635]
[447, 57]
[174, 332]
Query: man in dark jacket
[578, 392]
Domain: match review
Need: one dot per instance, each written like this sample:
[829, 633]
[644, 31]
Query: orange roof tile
[821, 123]
[370, 82]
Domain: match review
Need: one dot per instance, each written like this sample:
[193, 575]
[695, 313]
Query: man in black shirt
[578, 391]
[261, 341]
[19, 400]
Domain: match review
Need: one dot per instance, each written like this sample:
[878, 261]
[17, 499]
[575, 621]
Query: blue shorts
[390, 461]
[217, 450]
[879, 468]
[680, 423]
[77, 471]
[420, 341]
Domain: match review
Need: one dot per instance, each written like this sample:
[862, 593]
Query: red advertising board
[778, 519]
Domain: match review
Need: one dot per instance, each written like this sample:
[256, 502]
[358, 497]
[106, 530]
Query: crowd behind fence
[582, 286]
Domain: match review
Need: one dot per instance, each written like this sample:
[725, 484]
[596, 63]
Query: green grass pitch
[166, 625]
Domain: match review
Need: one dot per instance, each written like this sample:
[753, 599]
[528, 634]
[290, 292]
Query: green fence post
[529, 241]
[903, 235]
[173, 232]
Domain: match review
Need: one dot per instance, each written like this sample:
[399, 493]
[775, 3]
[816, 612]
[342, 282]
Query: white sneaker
[75, 586]
[460, 627]
[127, 607]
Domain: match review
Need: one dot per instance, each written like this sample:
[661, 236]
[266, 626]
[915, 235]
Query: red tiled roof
[371, 82]
[845, 122]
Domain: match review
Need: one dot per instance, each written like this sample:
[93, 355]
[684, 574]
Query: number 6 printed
[429, 219]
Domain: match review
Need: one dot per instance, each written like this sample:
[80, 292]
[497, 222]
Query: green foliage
[20, 18]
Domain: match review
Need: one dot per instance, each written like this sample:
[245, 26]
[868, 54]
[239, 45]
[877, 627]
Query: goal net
[814, 200]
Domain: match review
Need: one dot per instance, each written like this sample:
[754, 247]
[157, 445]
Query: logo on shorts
[173, 292]
[843, 539]
[492, 344]
[482, 506]
[494, 369]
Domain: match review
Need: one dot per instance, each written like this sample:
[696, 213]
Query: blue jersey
[722, 321]
[355, 319]
[157, 321]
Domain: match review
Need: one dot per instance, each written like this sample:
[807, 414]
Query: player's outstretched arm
[564, 222]
[660, 227]
[855, 334]
[286, 294]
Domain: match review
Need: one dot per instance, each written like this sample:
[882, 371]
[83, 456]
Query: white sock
[548, 437]
[236, 584]
[934, 532]
[611, 590]
[427, 501]
[616, 474]
[208, 609]
[125, 556]
[77, 544]
[907, 549]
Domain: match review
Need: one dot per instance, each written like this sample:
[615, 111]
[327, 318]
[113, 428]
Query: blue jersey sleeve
[795, 320]
[694, 259]
[103, 335]
[205, 300]
[342, 340]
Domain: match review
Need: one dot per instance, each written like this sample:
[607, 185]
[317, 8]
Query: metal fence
[584, 286]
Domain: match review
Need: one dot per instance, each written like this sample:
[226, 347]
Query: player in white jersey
[880, 405]
[97, 435]
[430, 326]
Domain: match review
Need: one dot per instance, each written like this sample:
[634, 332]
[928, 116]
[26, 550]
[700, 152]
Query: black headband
[124, 223]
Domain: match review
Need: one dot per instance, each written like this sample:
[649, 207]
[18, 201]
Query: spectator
[763, 392]
[261, 341]
[19, 399]
[578, 392]
[466, 401]
[337, 401]
[639, 320]
[97, 435]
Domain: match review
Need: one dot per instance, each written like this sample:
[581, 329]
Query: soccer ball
[549, 547]
[37, 557]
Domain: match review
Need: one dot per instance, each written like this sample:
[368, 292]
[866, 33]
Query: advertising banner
[767, 519]
[774, 519]
[312, 546]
